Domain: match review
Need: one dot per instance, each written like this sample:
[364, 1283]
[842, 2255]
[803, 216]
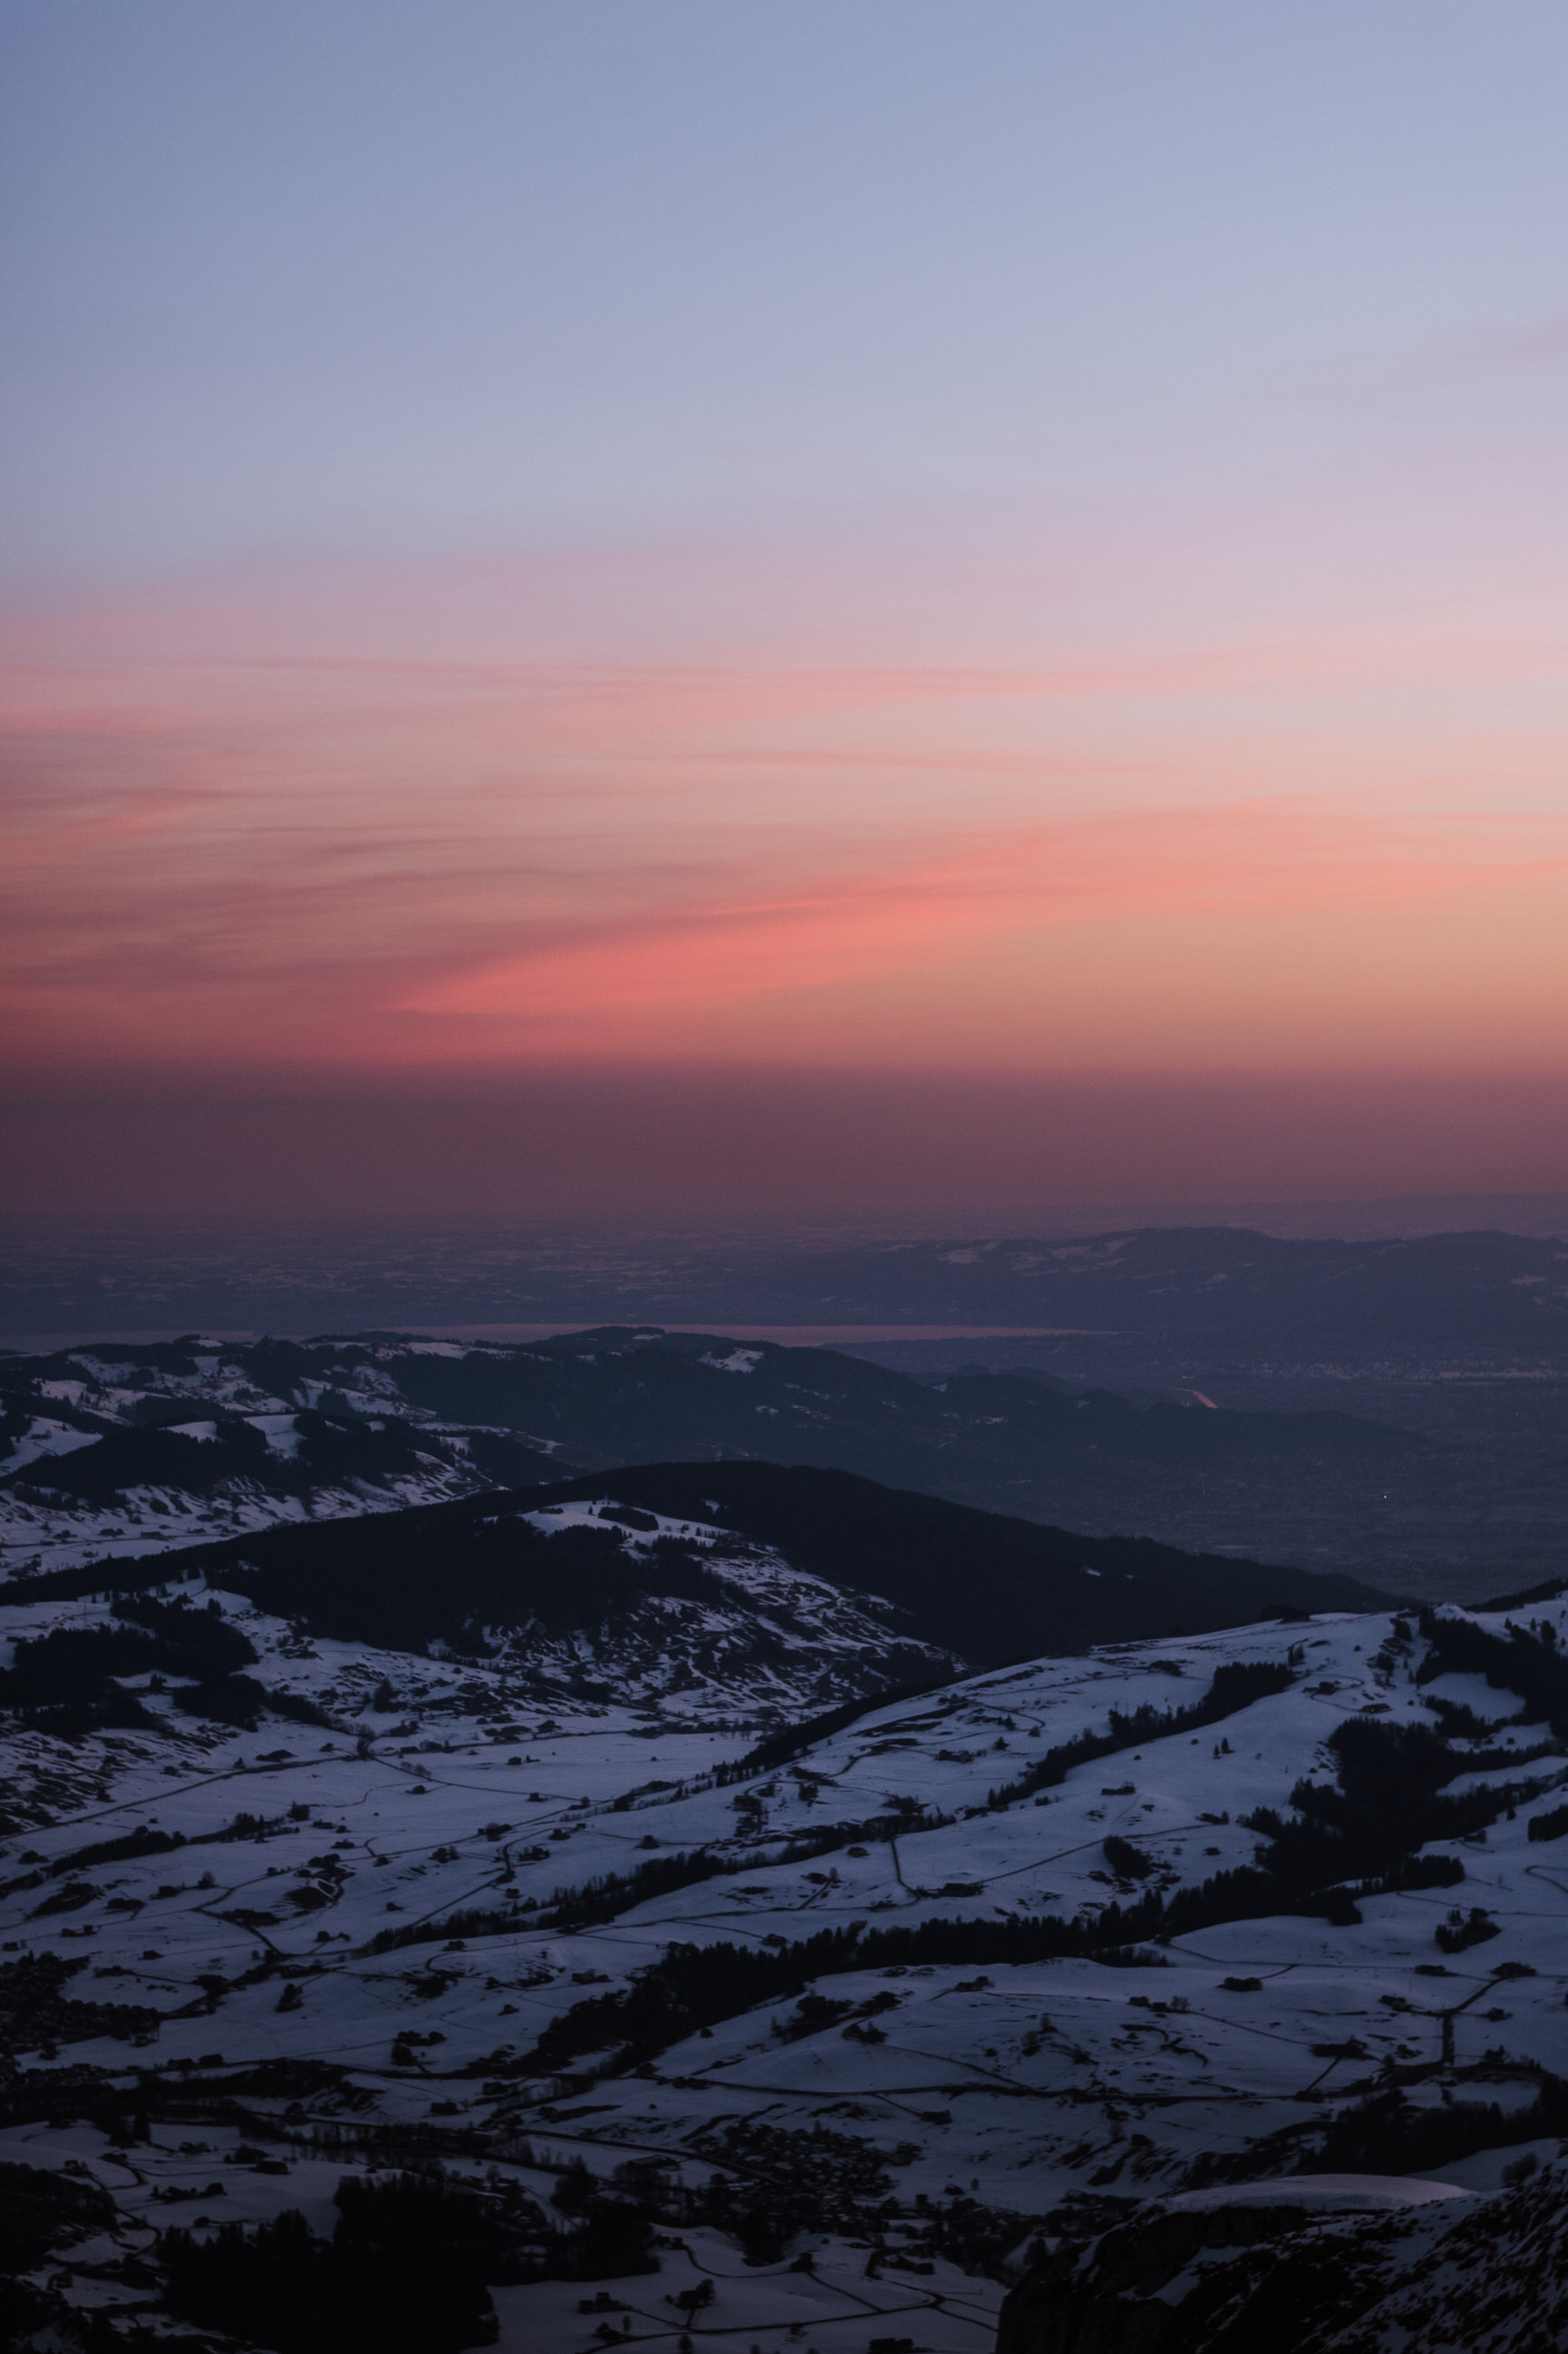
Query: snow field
[1034, 2090]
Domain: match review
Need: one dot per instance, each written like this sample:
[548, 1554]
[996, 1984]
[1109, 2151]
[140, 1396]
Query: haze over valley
[1391, 1408]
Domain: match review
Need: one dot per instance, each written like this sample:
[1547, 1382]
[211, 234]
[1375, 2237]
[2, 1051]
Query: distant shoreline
[799, 1336]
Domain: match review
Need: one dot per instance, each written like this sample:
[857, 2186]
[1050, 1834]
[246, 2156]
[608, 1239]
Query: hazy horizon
[66, 1280]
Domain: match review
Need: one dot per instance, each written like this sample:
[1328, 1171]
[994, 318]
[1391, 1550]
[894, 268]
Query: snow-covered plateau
[643, 2016]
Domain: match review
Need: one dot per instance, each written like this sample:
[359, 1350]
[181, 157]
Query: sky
[694, 607]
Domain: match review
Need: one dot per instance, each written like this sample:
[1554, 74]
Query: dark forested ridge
[977, 1585]
[984, 1582]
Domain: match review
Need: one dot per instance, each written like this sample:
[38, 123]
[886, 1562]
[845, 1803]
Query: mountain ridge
[779, 1589]
[189, 1440]
[1442, 1289]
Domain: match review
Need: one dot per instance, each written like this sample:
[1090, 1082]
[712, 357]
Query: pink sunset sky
[779, 623]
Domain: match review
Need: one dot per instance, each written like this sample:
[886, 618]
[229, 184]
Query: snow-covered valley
[845, 2025]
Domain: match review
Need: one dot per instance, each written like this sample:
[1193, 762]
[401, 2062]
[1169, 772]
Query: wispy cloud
[361, 857]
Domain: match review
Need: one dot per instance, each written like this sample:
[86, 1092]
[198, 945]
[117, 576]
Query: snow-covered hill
[847, 2029]
[125, 1451]
[117, 1448]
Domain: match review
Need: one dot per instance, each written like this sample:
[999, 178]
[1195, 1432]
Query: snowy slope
[420, 1941]
[119, 1451]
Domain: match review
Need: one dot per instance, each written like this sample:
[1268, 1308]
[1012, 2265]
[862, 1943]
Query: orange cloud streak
[1308, 850]
[1256, 859]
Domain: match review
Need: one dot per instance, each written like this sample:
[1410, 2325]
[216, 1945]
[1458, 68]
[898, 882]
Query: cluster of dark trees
[1388, 1799]
[1389, 2134]
[65, 1681]
[374, 1580]
[1528, 1660]
[35, 2009]
[409, 2268]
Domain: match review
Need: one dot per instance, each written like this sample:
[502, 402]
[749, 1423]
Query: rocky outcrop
[1325, 2272]
[1128, 2294]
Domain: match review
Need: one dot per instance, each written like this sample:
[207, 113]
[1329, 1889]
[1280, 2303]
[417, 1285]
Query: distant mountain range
[116, 1447]
[1438, 1291]
[1443, 1293]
